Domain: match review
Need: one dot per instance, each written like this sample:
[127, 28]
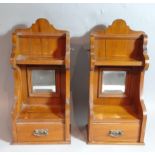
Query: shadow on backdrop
[6, 85]
[80, 84]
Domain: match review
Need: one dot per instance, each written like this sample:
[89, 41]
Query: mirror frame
[102, 94]
[43, 94]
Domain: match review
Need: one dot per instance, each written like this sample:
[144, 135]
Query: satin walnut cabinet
[118, 60]
[41, 64]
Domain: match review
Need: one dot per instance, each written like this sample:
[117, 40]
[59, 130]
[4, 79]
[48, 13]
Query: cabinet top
[40, 44]
[118, 45]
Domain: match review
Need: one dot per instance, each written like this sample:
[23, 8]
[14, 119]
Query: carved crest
[41, 25]
[119, 26]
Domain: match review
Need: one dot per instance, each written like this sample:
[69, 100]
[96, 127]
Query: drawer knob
[115, 133]
[40, 132]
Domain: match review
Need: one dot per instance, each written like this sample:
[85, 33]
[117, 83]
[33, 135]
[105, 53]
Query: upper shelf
[118, 45]
[35, 60]
[40, 44]
[118, 62]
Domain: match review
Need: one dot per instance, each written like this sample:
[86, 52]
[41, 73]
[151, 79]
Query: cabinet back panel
[42, 46]
[113, 48]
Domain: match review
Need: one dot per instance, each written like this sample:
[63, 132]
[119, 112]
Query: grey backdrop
[79, 19]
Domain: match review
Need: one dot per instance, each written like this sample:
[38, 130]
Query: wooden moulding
[41, 47]
[117, 48]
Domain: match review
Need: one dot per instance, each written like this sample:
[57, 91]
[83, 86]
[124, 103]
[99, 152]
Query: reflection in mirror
[113, 81]
[43, 81]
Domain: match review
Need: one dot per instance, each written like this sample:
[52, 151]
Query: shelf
[41, 112]
[114, 112]
[36, 60]
[118, 62]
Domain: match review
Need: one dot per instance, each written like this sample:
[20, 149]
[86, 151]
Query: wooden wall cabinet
[118, 60]
[41, 65]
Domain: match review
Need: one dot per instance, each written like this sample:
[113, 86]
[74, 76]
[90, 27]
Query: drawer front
[40, 132]
[116, 132]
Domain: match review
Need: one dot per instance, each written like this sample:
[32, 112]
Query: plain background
[79, 19]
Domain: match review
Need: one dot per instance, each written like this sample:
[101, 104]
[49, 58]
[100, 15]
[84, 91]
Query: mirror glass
[43, 81]
[113, 81]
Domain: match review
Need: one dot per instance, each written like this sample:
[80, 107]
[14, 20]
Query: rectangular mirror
[113, 81]
[43, 81]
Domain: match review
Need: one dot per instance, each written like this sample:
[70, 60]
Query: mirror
[43, 81]
[113, 81]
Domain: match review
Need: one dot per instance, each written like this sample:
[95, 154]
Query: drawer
[40, 132]
[116, 132]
